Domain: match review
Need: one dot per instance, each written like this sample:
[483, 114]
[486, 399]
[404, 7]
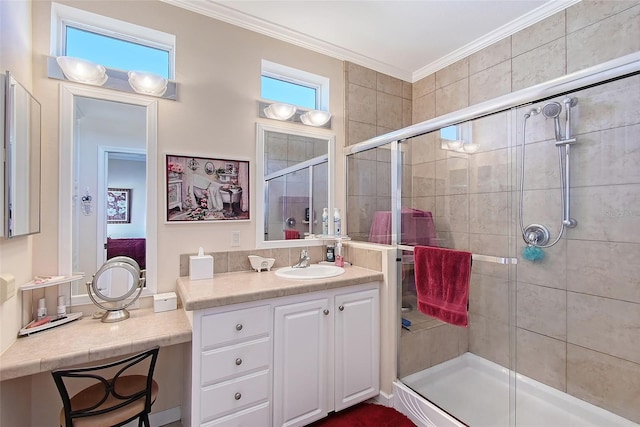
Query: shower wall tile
[608, 106]
[602, 324]
[360, 210]
[366, 258]
[361, 104]
[491, 55]
[550, 272]
[542, 310]
[389, 111]
[489, 339]
[407, 90]
[445, 342]
[604, 269]
[490, 83]
[489, 297]
[424, 86]
[491, 132]
[360, 183]
[424, 108]
[608, 213]
[359, 132]
[489, 172]
[491, 245]
[544, 207]
[452, 73]
[447, 239]
[589, 12]
[361, 76]
[617, 154]
[539, 34]
[424, 179]
[541, 166]
[542, 358]
[423, 148]
[414, 357]
[587, 47]
[390, 85]
[424, 203]
[452, 175]
[605, 381]
[407, 112]
[452, 97]
[489, 213]
[452, 214]
[539, 65]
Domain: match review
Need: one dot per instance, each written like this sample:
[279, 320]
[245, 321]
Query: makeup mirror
[295, 171]
[22, 162]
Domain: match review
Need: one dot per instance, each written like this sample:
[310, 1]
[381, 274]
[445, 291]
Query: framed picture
[118, 206]
[202, 189]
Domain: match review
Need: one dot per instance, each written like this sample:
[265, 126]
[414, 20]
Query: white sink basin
[314, 271]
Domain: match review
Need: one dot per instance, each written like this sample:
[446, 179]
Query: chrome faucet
[304, 260]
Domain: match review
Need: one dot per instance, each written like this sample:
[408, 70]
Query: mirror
[107, 186]
[297, 178]
[118, 279]
[22, 163]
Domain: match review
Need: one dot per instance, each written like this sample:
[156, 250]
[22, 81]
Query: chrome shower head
[552, 110]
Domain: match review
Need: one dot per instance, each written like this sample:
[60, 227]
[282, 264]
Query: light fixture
[470, 147]
[147, 83]
[315, 117]
[82, 71]
[280, 111]
[454, 144]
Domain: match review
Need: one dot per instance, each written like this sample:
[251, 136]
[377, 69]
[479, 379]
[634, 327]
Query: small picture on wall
[206, 189]
[118, 206]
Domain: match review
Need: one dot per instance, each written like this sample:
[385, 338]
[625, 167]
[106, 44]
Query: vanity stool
[116, 394]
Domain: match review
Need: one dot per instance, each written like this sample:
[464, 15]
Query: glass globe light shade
[82, 71]
[315, 117]
[147, 83]
[280, 111]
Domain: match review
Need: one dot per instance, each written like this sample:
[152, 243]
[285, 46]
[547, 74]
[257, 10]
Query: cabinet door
[300, 362]
[357, 347]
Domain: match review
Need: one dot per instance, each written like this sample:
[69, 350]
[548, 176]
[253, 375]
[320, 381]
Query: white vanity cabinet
[326, 354]
[285, 361]
[231, 366]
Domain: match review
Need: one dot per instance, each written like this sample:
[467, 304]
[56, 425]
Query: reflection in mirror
[295, 184]
[108, 186]
[22, 166]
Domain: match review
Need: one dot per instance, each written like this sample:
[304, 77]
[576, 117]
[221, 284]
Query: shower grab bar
[476, 257]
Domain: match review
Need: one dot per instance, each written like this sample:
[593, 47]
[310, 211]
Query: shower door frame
[601, 73]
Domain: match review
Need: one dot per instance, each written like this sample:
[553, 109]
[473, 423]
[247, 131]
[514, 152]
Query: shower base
[476, 391]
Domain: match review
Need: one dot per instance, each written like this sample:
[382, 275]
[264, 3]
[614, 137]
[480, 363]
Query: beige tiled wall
[578, 326]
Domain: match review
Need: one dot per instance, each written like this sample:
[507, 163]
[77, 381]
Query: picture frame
[206, 189]
[118, 206]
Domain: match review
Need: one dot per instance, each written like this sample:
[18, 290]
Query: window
[112, 43]
[289, 85]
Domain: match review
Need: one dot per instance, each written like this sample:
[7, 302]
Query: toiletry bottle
[337, 222]
[325, 221]
[338, 255]
[330, 254]
[42, 309]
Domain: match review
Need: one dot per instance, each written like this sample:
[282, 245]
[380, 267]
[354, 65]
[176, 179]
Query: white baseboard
[383, 399]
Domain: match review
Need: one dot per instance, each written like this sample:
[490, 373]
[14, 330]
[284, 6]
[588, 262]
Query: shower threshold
[476, 391]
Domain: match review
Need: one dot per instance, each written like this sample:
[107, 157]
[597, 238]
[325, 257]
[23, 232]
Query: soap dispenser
[337, 222]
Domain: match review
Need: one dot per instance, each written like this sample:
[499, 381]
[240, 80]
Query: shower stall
[542, 186]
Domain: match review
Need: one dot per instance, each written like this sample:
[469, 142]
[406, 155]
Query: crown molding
[223, 13]
[494, 36]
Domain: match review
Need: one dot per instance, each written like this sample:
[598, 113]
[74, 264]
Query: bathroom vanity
[272, 351]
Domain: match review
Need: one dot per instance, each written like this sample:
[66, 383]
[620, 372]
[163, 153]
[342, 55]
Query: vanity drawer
[234, 395]
[234, 360]
[252, 417]
[221, 328]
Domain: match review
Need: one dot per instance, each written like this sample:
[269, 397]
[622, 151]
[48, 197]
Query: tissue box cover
[165, 302]
[200, 267]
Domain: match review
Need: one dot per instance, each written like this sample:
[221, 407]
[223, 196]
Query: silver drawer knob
[326, 312]
[238, 396]
[341, 308]
[239, 327]
[238, 361]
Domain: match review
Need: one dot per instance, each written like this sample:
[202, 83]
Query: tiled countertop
[86, 340]
[247, 286]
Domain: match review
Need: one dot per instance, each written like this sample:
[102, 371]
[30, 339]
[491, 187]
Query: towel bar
[476, 257]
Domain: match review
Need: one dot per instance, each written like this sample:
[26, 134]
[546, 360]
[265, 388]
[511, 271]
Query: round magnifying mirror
[116, 281]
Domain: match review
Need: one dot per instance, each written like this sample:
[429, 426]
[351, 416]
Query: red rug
[365, 415]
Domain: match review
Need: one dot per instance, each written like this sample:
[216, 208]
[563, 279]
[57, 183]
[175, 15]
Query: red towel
[291, 234]
[442, 283]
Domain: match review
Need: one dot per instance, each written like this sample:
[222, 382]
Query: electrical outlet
[235, 238]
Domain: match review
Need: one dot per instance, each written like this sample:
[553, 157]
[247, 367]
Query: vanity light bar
[315, 118]
[121, 81]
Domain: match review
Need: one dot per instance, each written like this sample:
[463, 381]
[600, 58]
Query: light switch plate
[7, 286]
